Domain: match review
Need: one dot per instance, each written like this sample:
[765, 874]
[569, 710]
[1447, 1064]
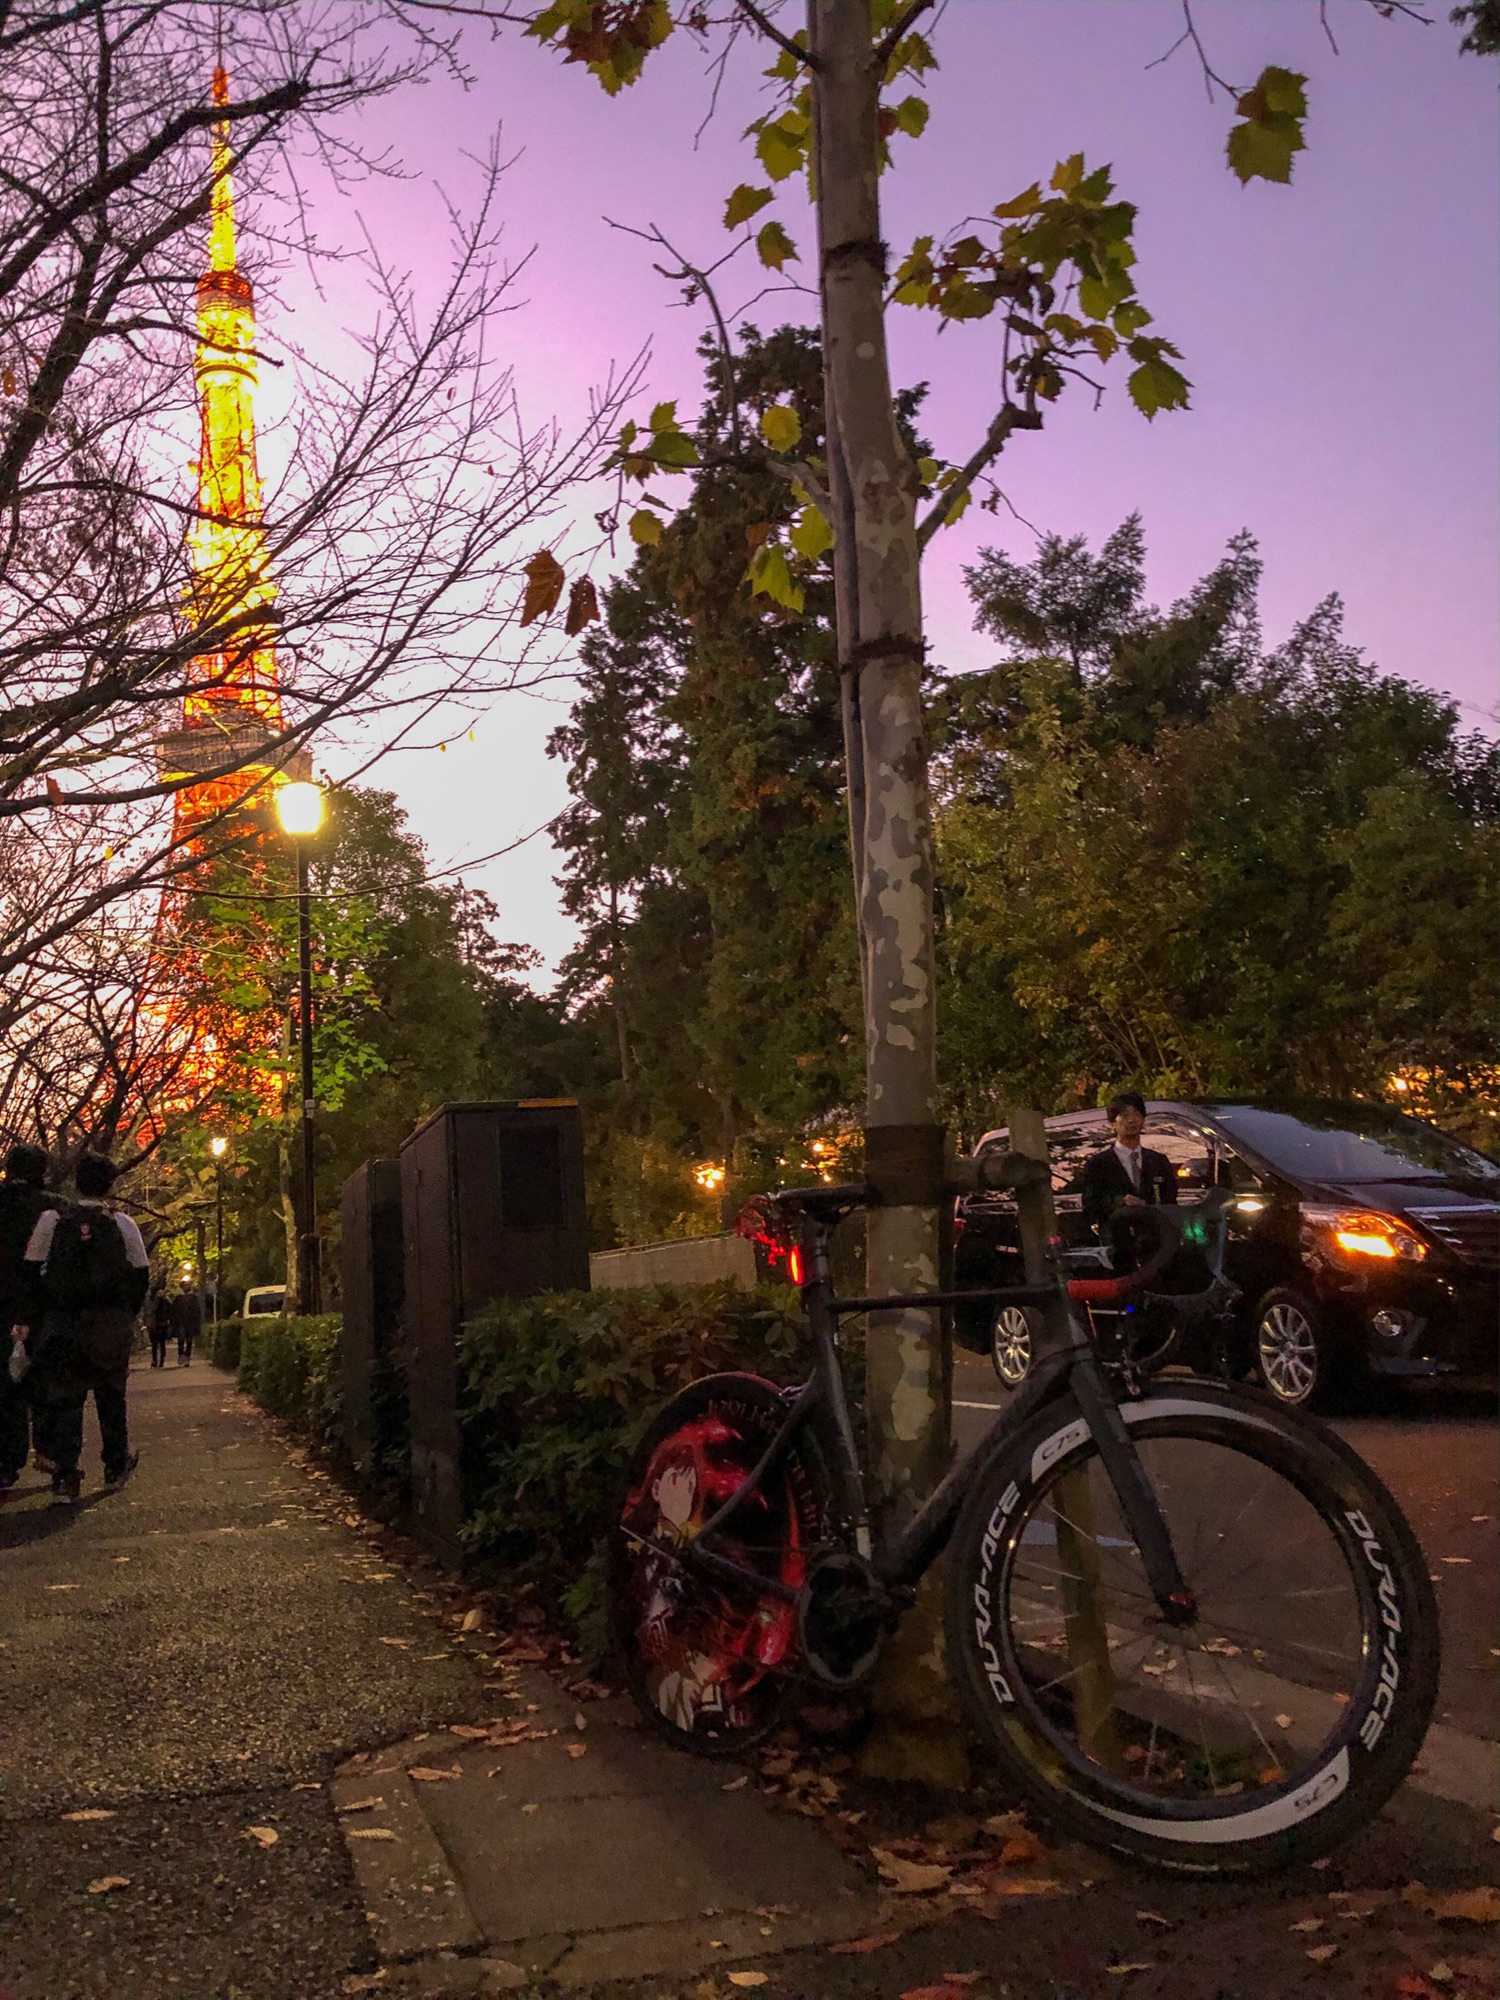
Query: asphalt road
[1438, 1456]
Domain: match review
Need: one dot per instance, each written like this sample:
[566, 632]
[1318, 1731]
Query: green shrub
[556, 1390]
[222, 1338]
[291, 1368]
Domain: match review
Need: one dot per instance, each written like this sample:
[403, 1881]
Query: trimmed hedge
[222, 1339]
[557, 1389]
[291, 1368]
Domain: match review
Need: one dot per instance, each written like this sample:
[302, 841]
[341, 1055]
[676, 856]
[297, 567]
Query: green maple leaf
[745, 202]
[774, 247]
[1273, 109]
[771, 576]
[781, 427]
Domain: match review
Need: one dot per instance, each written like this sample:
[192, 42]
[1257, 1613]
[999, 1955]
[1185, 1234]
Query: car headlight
[1355, 1234]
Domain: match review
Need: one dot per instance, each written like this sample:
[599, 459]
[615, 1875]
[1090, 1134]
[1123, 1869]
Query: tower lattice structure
[232, 710]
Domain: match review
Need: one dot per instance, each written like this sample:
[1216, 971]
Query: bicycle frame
[822, 1406]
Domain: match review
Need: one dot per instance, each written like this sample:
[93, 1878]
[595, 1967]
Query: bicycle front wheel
[1268, 1729]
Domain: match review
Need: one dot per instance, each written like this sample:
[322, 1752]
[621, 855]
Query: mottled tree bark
[872, 486]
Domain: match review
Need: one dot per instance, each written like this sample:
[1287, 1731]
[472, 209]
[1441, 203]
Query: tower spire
[234, 701]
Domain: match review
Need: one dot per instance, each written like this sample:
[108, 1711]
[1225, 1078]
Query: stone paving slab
[599, 1853]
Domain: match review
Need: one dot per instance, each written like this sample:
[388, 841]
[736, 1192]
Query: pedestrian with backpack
[86, 1275]
[22, 1199]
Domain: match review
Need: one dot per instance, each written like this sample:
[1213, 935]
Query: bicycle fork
[1135, 1493]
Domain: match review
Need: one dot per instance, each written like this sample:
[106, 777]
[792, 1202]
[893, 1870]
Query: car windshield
[1357, 1143]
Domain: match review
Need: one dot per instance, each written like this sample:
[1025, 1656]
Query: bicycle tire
[709, 1665]
[1273, 1762]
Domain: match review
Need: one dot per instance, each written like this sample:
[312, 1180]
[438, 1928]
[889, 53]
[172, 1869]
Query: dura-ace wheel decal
[1322, 1776]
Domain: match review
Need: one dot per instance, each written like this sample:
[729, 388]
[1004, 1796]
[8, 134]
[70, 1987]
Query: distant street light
[299, 807]
[218, 1147]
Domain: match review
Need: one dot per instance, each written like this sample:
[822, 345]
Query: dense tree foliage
[1173, 859]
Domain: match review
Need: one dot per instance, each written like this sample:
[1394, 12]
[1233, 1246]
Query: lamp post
[218, 1147]
[299, 807]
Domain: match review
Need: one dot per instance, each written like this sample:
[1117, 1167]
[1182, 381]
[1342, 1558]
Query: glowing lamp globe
[218, 1147]
[300, 808]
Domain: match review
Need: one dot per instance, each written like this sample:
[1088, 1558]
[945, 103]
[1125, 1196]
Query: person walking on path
[22, 1200]
[86, 1274]
[188, 1320]
[159, 1326]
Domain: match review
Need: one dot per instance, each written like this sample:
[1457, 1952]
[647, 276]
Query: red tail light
[794, 1264]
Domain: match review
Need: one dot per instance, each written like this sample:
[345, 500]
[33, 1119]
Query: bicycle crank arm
[1136, 1495]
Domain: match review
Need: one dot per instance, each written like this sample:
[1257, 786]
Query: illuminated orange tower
[233, 707]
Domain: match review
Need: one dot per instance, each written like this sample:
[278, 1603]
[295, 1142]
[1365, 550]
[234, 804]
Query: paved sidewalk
[212, 1695]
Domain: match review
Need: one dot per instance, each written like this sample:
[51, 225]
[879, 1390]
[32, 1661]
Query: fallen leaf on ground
[368, 1833]
[1134, 1965]
[1020, 1849]
[875, 1941]
[1309, 1924]
[363, 1805]
[910, 1878]
[1456, 1559]
[266, 1835]
[309, 1785]
[471, 1621]
[402, 1643]
[1321, 1953]
[739, 1784]
[62, 1586]
[1283, 1722]
[531, 1809]
[949, 1990]
[468, 1731]
[1003, 1825]
[749, 1979]
[363, 1982]
[105, 1883]
[1473, 1906]
[90, 1812]
[1479, 1517]
[1155, 1917]
[1034, 1885]
[577, 1749]
[425, 1774]
[1442, 1972]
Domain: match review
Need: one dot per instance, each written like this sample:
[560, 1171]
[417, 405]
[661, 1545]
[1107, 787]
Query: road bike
[1187, 1623]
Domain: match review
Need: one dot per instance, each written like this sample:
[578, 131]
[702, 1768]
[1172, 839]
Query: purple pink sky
[1340, 333]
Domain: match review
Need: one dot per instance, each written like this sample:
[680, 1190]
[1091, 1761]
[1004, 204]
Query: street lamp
[299, 807]
[218, 1147]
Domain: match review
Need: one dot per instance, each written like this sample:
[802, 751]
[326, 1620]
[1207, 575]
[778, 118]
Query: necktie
[1135, 1170]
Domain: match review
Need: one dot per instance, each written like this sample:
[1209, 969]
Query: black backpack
[87, 1267]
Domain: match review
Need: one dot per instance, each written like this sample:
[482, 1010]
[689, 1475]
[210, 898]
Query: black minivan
[1364, 1241]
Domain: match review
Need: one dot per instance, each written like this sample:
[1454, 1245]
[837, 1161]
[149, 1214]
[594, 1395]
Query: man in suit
[1126, 1171]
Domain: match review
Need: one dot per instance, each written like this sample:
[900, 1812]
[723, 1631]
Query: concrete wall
[694, 1260]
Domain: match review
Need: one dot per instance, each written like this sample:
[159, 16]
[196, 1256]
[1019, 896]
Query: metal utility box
[493, 1207]
[371, 1266]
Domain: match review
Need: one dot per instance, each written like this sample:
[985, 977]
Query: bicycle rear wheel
[710, 1662]
[1261, 1734]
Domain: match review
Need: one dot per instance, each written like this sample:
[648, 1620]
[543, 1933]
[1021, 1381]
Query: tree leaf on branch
[646, 529]
[771, 576]
[780, 147]
[611, 37]
[911, 116]
[545, 577]
[780, 426]
[774, 247]
[745, 202]
[1156, 384]
[810, 534]
[583, 606]
[1273, 109]
[1021, 204]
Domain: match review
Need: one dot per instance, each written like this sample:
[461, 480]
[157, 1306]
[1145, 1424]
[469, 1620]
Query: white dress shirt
[1130, 1160]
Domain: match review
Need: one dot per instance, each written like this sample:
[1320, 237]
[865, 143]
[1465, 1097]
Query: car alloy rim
[1288, 1353]
[1012, 1345]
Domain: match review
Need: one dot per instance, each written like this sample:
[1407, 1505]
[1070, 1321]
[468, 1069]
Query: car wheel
[1291, 1355]
[1011, 1347]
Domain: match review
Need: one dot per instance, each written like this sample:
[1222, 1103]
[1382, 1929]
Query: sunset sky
[1340, 333]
